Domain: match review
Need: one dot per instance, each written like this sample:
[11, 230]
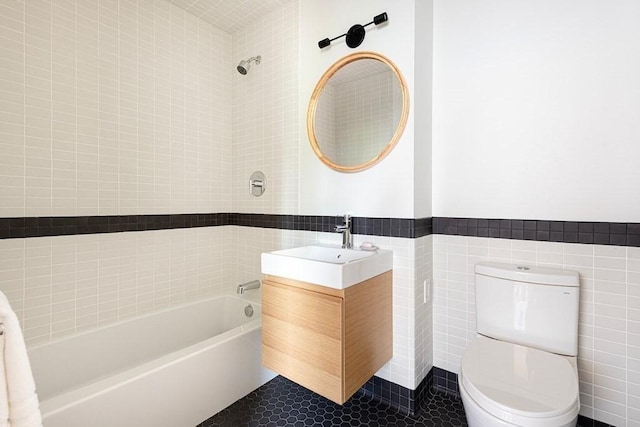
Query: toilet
[520, 369]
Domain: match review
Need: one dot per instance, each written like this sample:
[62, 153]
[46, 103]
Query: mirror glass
[357, 112]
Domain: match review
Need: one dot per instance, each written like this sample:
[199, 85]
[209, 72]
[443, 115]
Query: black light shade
[324, 43]
[379, 19]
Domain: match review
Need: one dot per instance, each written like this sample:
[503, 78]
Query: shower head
[243, 66]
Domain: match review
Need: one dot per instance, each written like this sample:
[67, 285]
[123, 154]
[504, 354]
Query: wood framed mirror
[357, 112]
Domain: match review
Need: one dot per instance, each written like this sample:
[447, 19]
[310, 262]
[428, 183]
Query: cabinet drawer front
[302, 337]
[316, 312]
[304, 373]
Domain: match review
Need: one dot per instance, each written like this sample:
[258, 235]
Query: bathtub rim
[85, 392]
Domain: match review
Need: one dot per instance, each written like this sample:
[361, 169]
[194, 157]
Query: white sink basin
[327, 266]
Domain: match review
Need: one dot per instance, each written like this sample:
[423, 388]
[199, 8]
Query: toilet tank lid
[529, 274]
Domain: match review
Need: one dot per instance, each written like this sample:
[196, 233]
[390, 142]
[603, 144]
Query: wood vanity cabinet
[330, 341]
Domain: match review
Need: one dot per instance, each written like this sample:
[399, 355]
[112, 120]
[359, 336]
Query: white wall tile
[265, 112]
[63, 285]
[107, 103]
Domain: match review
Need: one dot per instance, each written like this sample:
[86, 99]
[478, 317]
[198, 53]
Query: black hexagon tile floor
[281, 402]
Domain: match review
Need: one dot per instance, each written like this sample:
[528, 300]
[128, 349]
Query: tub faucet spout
[253, 284]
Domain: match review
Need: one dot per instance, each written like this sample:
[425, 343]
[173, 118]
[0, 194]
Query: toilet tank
[532, 306]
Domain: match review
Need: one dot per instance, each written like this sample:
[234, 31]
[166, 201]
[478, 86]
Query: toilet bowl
[521, 370]
[506, 384]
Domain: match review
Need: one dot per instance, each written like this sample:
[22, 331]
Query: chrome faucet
[253, 284]
[345, 229]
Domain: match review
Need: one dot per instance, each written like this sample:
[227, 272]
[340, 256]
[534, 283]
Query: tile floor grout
[281, 402]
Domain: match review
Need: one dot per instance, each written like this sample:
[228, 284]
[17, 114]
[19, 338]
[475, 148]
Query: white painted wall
[536, 109]
[423, 104]
[387, 189]
[400, 185]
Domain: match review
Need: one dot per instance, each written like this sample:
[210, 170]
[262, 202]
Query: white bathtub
[173, 368]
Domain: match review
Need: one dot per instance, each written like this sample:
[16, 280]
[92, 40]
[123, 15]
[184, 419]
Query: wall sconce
[355, 35]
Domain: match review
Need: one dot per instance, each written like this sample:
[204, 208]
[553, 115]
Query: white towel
[18, 399]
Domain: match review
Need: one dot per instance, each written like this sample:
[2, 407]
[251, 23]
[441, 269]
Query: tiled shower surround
[113, 107]
[123, 108]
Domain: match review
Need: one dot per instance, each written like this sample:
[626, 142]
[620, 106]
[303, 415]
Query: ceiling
[229, 15]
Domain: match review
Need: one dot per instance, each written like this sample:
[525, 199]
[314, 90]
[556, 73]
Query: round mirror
[358, 111]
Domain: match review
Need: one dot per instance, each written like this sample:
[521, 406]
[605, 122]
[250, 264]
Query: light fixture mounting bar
[355, 35]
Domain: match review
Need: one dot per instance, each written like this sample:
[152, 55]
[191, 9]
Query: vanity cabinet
[328, 340]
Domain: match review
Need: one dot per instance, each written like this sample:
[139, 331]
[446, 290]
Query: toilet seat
[520, 385]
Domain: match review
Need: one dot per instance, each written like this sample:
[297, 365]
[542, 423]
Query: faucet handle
[346, 218]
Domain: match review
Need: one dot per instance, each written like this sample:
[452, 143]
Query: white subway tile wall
[265, 113]
[609, 329]
[63, 285]
[423, 283]
[124, 107]
[113, 108]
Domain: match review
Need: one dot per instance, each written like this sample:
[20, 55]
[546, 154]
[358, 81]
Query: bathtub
[173, 368]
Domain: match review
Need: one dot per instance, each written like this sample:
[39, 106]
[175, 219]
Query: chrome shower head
[244, 65]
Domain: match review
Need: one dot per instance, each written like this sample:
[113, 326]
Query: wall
[265, 135]
[158, 121]
[122, 108]
[533, 118]
[422, 104]
[268, 136]
[387, 189]
[534, 110]
[265, 112]
[63, 285]
[111, 108]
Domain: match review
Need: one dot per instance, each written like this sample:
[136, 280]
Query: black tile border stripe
[22, 227]
[598, 233]
[390, 227]
[601, 233]
[71, 225]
